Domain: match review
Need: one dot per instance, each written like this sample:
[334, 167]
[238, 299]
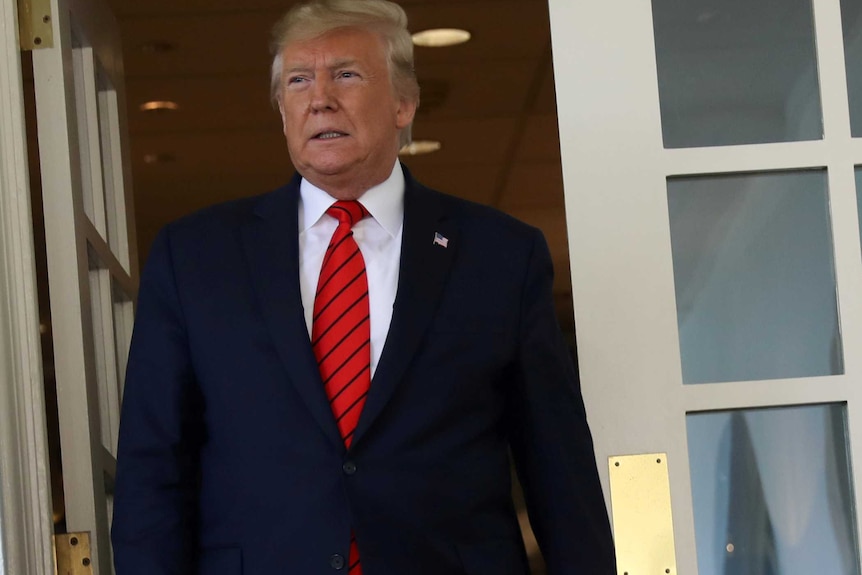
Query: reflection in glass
[772, 492]
[851, 20]
[736, 72]
[754, 276]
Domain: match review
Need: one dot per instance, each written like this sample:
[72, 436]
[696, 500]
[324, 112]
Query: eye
[295, 80]
[347, 74]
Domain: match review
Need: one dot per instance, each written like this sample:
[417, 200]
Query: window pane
[103, 345]
[859, 199]
[772, 492]
[754, 276]
[851, 18]
[85, 150]
[123, 316]
[736, 72]
[112, 169]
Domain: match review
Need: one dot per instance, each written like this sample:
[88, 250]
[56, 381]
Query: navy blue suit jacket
[229, 458]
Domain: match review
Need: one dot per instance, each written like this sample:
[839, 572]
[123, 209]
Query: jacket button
[349, 468]
[336, 562]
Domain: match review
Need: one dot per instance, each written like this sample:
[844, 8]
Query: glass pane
[859, 199]
[123, 309]
[103, 120]
[112, 169]
[85, 150]
[851, 18]
[104, 349]
[754, 276]
[737, 72]
[772, 492]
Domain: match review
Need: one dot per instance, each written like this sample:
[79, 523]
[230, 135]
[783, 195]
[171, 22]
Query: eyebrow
[336, 64]
[344, 62]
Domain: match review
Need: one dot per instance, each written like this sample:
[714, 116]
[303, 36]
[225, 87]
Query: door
[710, 154]
[90, 246]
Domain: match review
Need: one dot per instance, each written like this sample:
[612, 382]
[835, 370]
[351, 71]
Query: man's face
[340, 112]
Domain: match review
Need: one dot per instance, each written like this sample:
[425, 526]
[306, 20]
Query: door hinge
[72, 553]
[35, 24]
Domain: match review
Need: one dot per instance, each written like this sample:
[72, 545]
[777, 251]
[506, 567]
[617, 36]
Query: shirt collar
[385, 202]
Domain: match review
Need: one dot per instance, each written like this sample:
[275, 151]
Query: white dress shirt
[379, 240]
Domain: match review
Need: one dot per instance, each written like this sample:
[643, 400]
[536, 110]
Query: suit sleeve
[551, 442]
[155, 501]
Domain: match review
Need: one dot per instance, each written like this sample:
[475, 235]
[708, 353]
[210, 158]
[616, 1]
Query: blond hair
[317, 17]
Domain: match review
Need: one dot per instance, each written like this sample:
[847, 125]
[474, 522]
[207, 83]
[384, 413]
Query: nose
[323, 95]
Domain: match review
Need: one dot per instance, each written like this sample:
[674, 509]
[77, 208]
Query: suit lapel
[271, 243]
[424, 267]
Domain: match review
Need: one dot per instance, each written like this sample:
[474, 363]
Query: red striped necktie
[340, 330]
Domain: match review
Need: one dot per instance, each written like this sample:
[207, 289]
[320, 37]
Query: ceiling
[490, 102]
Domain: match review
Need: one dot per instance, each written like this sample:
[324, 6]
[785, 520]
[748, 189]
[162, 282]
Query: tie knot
[347, 212]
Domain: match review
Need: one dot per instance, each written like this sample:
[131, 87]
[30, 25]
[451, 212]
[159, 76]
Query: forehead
[336, 46]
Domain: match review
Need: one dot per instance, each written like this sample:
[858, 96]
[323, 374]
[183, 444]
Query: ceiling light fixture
[159, 106]
[419, 147]
[440, 37]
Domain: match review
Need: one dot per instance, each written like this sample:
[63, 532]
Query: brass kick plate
[643, 526]
[35, 28]
[73, 554]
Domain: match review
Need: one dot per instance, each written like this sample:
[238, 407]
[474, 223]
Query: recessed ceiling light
[440, 37]
[419, 147]
[159, 106]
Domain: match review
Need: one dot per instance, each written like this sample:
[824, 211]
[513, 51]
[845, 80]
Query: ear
[404, 113]
[281, 111]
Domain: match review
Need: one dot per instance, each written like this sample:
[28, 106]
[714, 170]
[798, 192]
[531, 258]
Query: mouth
[329, 135]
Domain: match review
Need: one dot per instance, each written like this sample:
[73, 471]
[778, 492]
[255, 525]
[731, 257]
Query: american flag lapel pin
[441, 240]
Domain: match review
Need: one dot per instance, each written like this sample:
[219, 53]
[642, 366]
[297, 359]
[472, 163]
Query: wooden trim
[26, 499]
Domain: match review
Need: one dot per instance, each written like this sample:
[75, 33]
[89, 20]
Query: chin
[332, 167]
[330, 164]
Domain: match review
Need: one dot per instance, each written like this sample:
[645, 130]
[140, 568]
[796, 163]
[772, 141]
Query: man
[318, 384]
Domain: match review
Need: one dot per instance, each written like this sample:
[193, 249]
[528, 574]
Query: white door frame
[615, 169]
[25, 495]
[89, 235]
